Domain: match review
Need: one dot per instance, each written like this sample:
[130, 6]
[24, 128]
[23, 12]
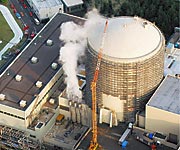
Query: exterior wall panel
[162, 121]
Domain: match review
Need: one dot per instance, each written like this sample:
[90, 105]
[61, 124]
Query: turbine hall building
[131, 67]
[27, 85]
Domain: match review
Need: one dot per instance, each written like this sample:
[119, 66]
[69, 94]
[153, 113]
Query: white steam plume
[75, 38]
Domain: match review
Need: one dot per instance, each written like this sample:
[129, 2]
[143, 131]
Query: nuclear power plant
[131, 67]
[118, 63]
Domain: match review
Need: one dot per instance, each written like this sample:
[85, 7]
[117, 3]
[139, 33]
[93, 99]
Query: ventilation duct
[34, 60]
[54, 66]
[18, 78]
[38, 84]
[51, 101]
[22, 103]
[2, 97]
[49, 42]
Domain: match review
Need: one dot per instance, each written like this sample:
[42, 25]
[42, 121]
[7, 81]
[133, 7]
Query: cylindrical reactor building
[131, 66]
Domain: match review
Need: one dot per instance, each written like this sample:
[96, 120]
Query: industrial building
[131, 66]
[163, 109]
[172, 56]
[174, 39]
[33, 94]
[72, 6]
[31, 84]
[172, 63]
[45, 9]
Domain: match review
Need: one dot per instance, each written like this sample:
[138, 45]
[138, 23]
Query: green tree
[165, 13]
[4, 1]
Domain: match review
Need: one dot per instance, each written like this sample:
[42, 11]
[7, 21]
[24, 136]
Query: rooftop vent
[136, 17]
[51, 101]
[49, 42]
[22, 103]
[18, 77]
[54, 66]
[34, 60]
[38, 84]
[145, 24]
[2, 97]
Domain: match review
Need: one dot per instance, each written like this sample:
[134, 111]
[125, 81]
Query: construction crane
[94, 144]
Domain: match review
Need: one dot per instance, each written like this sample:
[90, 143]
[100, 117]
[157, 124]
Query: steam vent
[131, 66]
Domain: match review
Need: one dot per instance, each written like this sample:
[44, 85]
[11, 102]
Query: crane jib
[94, 144]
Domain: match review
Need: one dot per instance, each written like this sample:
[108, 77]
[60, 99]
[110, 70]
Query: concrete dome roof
[126, 37]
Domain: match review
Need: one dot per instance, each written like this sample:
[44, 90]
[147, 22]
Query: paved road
[108, 139]
[14, 27]
[26, 19]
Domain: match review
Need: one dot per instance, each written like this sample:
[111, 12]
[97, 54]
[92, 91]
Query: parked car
[30, 13]
[18, 15]
[25, 27]
[26, 32]
[36, 21]
[24, 5]
[17, 51]
[7, 55]
[32, 35]
[12, 6]
[22, 14]
[14, 10]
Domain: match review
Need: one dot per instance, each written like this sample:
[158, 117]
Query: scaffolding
[11, 138]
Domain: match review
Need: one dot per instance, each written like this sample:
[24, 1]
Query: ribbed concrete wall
[131, 80]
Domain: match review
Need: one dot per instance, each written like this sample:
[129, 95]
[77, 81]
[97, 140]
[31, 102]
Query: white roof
[172, 63]
[47, 3]
[126, 37]
[70, 3]
[167, 96]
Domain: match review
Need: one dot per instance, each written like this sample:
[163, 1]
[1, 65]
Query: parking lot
[25, 14]
[108, 139]
[25, 17]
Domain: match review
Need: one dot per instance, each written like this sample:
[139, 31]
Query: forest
[164, 13]
[3, 1]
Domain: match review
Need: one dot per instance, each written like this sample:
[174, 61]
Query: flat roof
[31, 73]
[47, 3]
[70, 3]
[173, 39]
[172, 63]
[167, 95]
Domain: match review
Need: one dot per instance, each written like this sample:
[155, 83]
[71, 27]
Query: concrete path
[18, 34]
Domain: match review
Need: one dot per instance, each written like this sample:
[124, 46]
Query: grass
[6, 33]
[17, 46]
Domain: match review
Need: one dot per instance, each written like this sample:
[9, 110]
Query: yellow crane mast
[94, 144]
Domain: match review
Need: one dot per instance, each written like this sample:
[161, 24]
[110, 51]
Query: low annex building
[71, 6]
[45, 9]
[163, 109]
